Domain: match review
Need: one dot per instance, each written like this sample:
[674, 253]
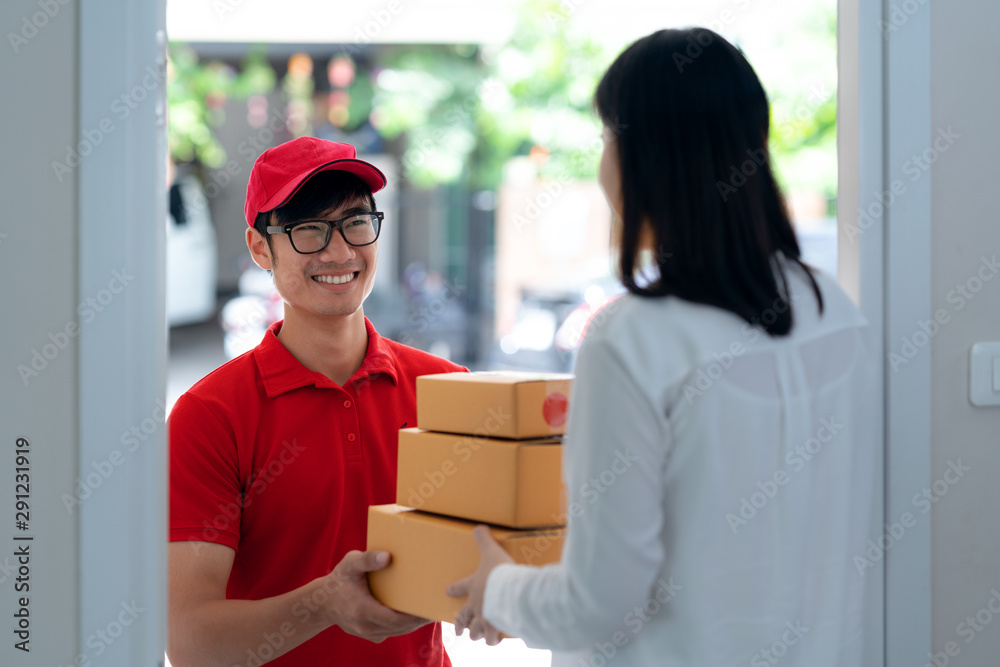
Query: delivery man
[276, 455]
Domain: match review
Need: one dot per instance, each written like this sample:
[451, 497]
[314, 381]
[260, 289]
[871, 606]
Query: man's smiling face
[333, 282]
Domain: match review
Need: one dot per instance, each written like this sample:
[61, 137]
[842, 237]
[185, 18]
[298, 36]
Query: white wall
[965, 209]
[83, 360]
[918, 118]
[38, 297]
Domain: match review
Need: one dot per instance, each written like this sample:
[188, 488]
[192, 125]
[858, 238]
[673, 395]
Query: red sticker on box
[554, 409]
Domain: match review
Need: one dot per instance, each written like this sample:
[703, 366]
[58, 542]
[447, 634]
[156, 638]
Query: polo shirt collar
[281, 372]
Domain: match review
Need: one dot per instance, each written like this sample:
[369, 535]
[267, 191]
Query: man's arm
[204, 628]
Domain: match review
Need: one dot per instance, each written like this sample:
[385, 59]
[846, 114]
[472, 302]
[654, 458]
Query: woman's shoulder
[654, 333]
[839, 311]
[668, 328]
[662, 318]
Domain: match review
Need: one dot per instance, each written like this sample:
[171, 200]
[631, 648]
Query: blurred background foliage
[460, 113]
[466, 111]
[197, 93]
[804, 108]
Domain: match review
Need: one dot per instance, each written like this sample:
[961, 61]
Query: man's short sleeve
[205, 490]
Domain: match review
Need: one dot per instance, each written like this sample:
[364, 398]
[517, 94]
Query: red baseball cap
[279, 172]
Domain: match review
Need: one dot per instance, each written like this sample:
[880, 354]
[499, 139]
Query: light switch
[984, 374]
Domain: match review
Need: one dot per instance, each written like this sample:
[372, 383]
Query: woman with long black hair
[722, 454]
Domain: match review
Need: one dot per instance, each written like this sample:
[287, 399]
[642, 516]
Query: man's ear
[259, 249]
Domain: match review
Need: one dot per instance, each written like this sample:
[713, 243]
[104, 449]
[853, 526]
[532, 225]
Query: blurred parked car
[191, 254]
[550, 326]
[551, 323]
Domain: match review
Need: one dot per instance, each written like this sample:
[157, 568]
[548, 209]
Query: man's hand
[351, 605]
[206, 629]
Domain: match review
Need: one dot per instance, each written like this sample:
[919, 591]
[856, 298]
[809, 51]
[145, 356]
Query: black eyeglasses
[309, 236]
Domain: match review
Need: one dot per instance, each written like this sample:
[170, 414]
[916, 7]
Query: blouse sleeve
[615, 451]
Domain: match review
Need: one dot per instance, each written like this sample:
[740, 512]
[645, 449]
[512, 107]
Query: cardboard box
[494, 404]
[513, 483]
[429, 552]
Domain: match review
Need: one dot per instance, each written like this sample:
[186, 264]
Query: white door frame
[123, 352]
[884, 217]
[83, 364]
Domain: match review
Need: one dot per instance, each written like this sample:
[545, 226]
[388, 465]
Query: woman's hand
[491, 554]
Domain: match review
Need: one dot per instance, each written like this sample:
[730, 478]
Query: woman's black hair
[324, 192]
[692, 123]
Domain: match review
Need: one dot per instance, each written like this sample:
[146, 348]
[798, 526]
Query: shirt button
[347, 404]
[350, 437]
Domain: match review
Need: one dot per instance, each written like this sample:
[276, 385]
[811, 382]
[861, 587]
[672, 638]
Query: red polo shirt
[281, 463]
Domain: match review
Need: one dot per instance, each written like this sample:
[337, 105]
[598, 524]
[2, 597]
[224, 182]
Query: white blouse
[722, 489]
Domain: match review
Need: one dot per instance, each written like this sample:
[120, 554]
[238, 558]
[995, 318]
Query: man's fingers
[359, 562]
[410, 619]
[388, 618]
[368, 618]
[378, 621]
[459, 588]
[391, 627]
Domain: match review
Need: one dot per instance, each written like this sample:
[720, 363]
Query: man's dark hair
[324, 192]
[692, 127]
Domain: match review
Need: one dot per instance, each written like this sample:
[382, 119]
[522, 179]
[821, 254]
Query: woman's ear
[609, 174]
[647, 237]
[259, 249]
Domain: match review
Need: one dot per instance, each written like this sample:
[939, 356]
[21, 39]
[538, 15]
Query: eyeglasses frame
[339, 224]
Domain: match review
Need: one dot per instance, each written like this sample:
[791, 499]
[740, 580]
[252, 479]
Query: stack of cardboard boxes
[488, 449]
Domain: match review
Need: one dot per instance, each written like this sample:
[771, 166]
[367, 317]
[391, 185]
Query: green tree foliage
[467, 111]
[462, 112]
[197, 93]
[804, 107]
